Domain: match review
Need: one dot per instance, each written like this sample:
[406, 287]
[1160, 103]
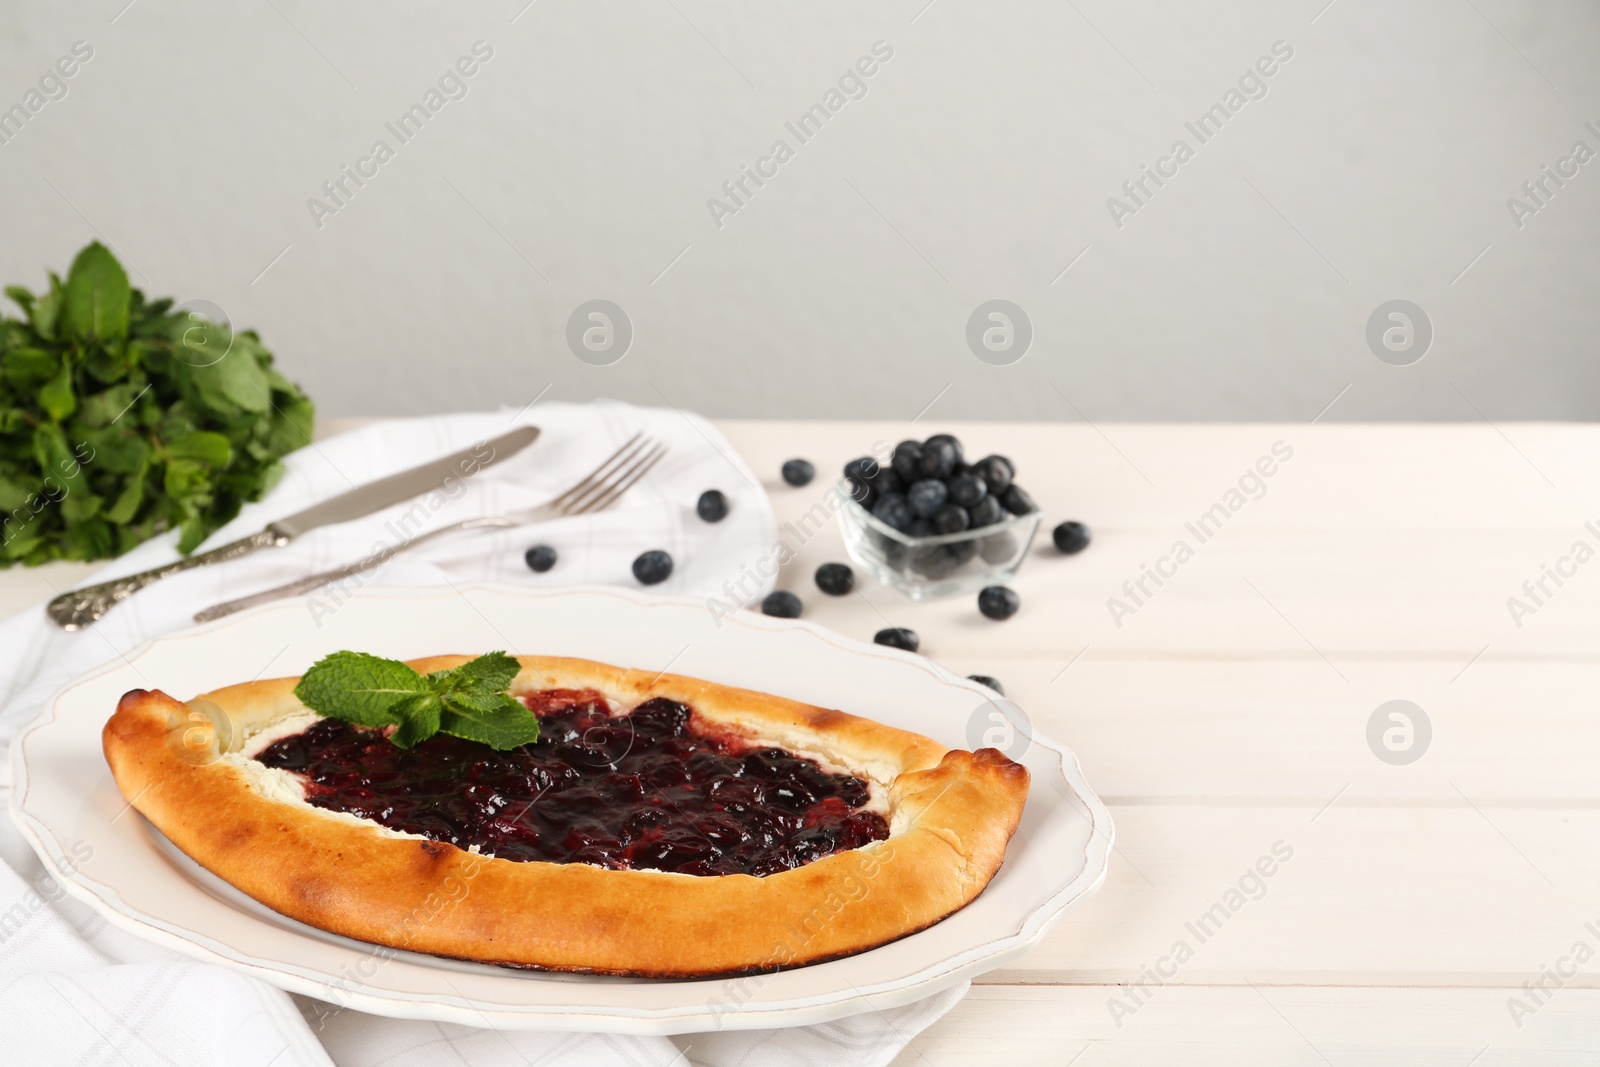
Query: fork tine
[584, 501]
[607, 494]
[599, 472]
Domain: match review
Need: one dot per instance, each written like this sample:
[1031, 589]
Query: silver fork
[596, 492]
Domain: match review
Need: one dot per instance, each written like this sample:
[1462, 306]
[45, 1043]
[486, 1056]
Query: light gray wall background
[978, 166]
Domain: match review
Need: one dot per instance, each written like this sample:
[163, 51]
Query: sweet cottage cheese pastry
[660, 825]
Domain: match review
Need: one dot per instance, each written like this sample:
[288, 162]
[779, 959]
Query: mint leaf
[117, 450]
[288, 424]
[127, 504]
[13, 494]
[202, 341]
[64, 476]
[75, 509]
[96, 297]
[101, 408]
[359, 688]
[419, 719]
[29, 368]
[202, 446]
[46, 310]
[498, 720]
[490, 673]
[476, 706]
[56, 396]
[237, 380]
[22, 296]
[468, 701]
[186, 478]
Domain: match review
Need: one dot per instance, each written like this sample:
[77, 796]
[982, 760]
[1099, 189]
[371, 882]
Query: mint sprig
[469, 701]
[122, 417]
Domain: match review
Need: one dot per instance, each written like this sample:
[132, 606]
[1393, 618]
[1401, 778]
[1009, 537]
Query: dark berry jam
[647, 790]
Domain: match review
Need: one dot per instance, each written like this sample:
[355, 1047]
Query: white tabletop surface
[1227, 716]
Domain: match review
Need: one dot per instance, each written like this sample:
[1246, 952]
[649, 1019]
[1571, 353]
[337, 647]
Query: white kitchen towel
[74, 989]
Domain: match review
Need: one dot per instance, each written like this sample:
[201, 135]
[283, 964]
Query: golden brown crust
[951, 814]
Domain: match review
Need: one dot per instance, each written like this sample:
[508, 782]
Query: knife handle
[78, 608]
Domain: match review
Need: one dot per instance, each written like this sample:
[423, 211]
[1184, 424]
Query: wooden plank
[1397, 476]
[1371, 895]
[1242, 1026]
[1332, 599]
[1289, 732]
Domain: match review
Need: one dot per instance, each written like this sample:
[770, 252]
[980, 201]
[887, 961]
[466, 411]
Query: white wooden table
[1228, 713]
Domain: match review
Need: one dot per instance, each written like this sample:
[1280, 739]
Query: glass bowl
[926, 567]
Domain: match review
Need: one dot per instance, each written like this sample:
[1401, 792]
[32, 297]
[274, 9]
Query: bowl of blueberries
[928, 523]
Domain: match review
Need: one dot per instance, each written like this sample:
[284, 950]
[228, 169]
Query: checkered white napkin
[75, 990]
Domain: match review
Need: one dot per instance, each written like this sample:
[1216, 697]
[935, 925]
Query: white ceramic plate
[68, 806]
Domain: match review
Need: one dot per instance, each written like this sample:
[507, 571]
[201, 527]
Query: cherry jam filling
[643, 791]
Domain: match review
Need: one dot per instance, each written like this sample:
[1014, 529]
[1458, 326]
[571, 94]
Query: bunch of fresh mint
[469, 701]
[121, 418]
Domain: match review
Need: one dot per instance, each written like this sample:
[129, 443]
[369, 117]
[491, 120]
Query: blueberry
[998, 548]
[712, 505]
[921, 527]
[998, 602]
[938, 459]
[540, 558]
[929, 561]
[968, 489]
[892, 510]
[904, 461]
[898, 637]
[1017, 501]
[887, 481]
[961, 551]
[858, 472]
[950, 519]
[987, 512]
[860, 469]
[945, 438]
[782, 604]
[1071, 537]
[835, 579]
[927, 497]
[799, 472]
[652, 567]
[996, 472]
[992, 683]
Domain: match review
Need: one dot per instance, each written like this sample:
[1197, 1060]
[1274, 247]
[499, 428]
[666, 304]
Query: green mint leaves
[123, 417]
[97, 297]
[359, 688]
[469, 701]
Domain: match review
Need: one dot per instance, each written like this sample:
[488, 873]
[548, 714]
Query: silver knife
[77, 608]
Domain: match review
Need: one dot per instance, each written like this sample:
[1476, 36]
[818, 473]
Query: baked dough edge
[952, 813]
